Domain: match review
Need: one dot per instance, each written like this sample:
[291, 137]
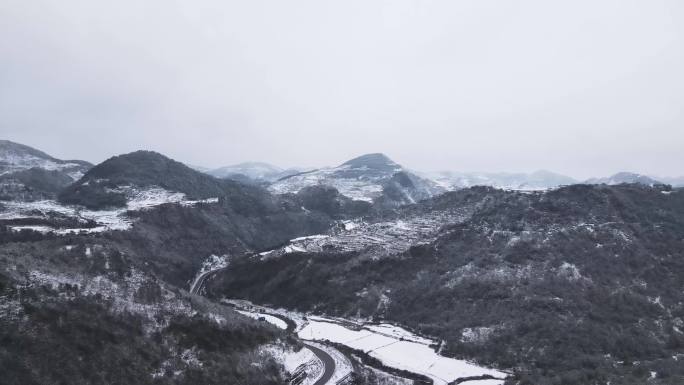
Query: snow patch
[105, 220]
[298, 364]
[569, 271]
[343, 367]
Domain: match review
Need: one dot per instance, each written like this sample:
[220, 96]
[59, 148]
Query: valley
[391, 192]
[364, 273]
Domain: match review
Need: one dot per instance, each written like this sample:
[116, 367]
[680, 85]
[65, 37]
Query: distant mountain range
[674, 181]
[364, 177]
[624, 177]
[30, 174]
[256, 171]
[539, 180]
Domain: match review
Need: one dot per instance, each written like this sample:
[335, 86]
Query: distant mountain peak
[100, 186]
[16, 157]
[255, 171]
[370, 177]
[376, 161]
[135, 163]
[624, 177]
[537, 180]
[12, 148]
[263, 165]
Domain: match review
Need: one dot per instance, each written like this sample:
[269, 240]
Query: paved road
[200, 282]
[326, 359]
[328, 364]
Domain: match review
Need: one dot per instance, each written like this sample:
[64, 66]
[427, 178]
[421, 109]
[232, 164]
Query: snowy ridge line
[363, 190]
[13, 162]
[104, 220]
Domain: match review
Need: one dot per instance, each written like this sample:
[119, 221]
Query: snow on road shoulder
[213, 262]
[343, 367]
[245, 305]
[302, 363]
[266, 317]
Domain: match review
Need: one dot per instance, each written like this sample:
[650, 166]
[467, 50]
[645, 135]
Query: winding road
[199, 282]
[326, 359]
[328, 364]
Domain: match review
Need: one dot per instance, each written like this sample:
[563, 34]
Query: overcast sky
[584, 88]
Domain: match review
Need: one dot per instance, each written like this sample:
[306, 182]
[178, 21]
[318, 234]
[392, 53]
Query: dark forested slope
[98, 188]
[578, 285]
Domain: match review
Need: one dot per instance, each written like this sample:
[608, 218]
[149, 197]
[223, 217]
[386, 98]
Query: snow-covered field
[106, 220]
[398, 349]
[394, 346]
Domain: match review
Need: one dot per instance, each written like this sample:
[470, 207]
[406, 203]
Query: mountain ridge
[143, 169]
[16, 157]
[27, 173]
[624, 177]
[369, 177]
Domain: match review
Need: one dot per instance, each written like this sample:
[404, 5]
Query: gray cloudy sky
[579, 87]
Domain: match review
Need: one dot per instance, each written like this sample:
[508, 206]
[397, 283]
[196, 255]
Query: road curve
[197, 286]
[326, 359]
[328, 364]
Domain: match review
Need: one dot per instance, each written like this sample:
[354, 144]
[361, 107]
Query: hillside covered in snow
[371, 177]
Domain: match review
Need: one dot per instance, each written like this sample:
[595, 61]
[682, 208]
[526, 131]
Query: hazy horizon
[585, 89]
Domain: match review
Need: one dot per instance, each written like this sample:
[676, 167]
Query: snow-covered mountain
[114, 182]
[367, 178]
[258, 171]
[538, 180]
[27, 174]
[624, 177]
[16, 157]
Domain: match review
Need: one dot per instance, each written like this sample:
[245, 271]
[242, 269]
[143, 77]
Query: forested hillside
[574, 286]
